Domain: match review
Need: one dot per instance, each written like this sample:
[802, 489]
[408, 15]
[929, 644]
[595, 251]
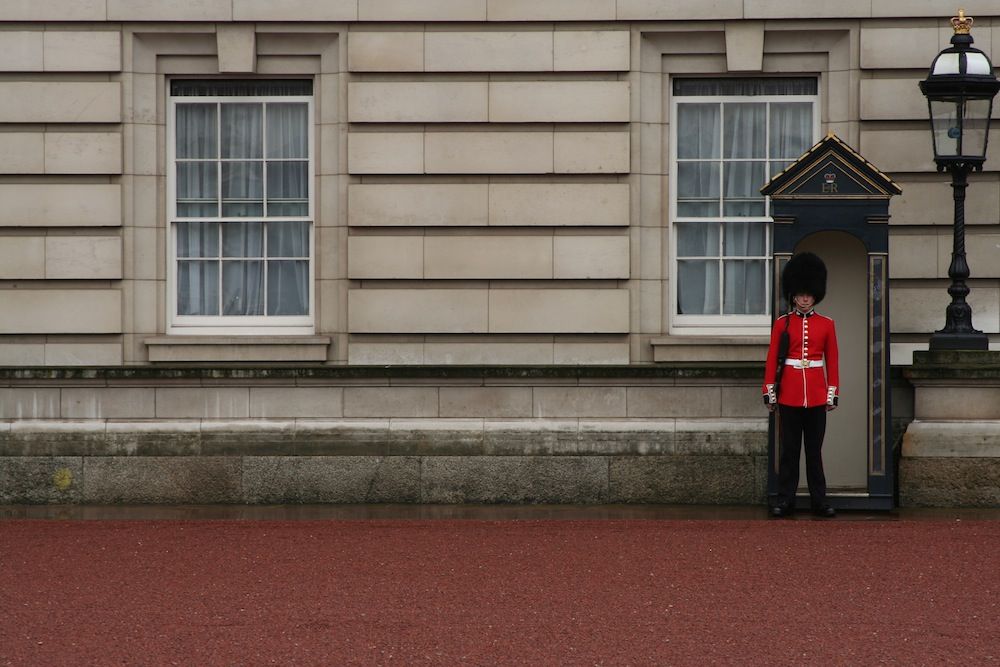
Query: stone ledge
[952, 439]
[240, 349]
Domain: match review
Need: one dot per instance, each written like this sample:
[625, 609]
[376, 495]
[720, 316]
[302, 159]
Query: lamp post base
[942, 340]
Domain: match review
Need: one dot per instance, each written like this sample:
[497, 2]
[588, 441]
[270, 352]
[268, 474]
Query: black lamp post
[959, 90]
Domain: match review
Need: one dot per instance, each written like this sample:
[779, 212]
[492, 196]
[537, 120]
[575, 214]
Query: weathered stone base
[388, 461]
[950, 464]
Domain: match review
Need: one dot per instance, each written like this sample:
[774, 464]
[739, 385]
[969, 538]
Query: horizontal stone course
[60, 102]
[60, 205]
[60, 311]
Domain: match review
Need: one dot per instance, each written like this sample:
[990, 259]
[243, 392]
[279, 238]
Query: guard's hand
[831, 408]
[771, 407]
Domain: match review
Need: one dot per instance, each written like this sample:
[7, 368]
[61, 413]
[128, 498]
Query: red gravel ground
[549, 592]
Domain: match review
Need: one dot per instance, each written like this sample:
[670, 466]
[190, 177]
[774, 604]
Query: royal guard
[801, 381]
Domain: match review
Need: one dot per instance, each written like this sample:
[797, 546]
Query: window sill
[237, 348]
[715, 348]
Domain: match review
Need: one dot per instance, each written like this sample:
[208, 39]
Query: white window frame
[237, 324]
[722, 325]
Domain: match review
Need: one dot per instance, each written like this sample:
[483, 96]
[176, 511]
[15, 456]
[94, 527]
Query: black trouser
[800, 425]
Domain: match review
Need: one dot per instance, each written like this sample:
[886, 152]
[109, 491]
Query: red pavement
[450, 592]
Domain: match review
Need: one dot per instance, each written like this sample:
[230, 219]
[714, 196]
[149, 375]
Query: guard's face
[804, 302]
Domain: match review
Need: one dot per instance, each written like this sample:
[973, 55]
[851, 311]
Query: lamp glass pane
[947, 131]
[974, 127]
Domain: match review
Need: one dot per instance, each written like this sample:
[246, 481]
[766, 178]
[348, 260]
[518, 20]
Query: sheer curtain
[725, 152]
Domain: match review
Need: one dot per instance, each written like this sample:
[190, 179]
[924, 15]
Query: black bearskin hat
[805, 273]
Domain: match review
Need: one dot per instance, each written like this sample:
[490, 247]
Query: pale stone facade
[491, 188]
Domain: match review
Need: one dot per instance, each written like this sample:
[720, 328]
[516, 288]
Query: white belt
[804, 363]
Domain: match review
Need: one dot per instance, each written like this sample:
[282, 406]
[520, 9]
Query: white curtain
[750, 142]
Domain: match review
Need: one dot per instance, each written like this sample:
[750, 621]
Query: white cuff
[771, 396]
[831, 395]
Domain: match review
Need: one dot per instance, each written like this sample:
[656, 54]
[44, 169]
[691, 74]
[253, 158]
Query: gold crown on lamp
[962, 23]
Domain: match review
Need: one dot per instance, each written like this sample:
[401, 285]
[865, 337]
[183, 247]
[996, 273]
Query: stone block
[745, 46]
[82, 51]
[929, 202]
[558, 311]
[621, 437]
[549, 402]
[532, 437]
[288, 402]
[488, 152]
[22, 257]
[585, 354]
[250, 438]
[512, 257]
[385, 153]
[591, 152]
[202, 402]
[551, 10]
[29, 403]
[559, 204]
[484, 51]
[683, 479]
[237, 48]
[953, 438]
[982, 253]
[674, 402]
[295, 10]
[83, 354]
[108, 403]
[417, 311]
[21, 51]
[776, 9]
[426, 10]
[83, 153]
[373, 257]
[898, 48]
[678, 10]
[436, 437]
[60, 311]
[342, 437]
[922, 309]
[559, 101]
[331, 479]
[182, 10]
[60, 205]
[929, 8]
[914, 256]
[491, 353]
[966, 402]
[591, 50]
[514, 479]
[60, 102]
[722, 436]
[385, 51]
[416, 102]
[423, 205]
[40, 479]
[53, 10]
[149, 438]
[83, 257]
[892, 99]
[949, 482]
[742, 401]
[24, 152]
[390, 402]
[22, 354]
[485, 402]
[384, 354]
[243, 349]
[593, 257]
[898, 150]
[162, 479]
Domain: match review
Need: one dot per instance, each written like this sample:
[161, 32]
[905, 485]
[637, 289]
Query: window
[240, 206]
[730, 136]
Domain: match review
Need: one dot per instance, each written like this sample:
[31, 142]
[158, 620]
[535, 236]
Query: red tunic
[811, 338]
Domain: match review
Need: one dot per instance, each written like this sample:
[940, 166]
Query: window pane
[698, 131]
[746, 287]
[243, 239]
[196, 131]
[775, 168]
[745, 239]
[742, 184]
[287, 288]
[746, 86]
[791, 129]
[698, 188]
[243, 288]
[242, 131]
[245, 87]
[697, 239]
[242, 189]
[287, 131]
[288, 239]
[197, 189]
[698, 287]
[287, 188]
[744, 130]
[197, 288]
[197, 239]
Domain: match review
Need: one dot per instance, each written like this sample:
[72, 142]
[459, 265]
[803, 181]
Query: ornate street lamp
[959, 90]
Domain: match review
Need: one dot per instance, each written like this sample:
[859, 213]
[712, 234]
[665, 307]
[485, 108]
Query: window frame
[237, 324]
[723, 324]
